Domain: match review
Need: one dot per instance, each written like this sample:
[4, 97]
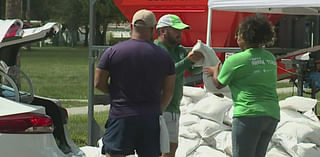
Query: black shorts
[123, 136]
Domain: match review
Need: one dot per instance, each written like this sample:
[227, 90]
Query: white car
[30, 126]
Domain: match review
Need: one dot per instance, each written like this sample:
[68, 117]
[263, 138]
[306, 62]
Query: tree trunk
[86, 36]
[13, 9]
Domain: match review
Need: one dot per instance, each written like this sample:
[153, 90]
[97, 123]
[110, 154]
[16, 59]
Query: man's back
[137, 69]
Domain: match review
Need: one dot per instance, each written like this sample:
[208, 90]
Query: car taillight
[13, 31]
[26, 123]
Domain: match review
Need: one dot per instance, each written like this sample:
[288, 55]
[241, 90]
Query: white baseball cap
[171, 20]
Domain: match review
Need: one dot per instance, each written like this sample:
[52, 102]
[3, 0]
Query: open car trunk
[12, 38]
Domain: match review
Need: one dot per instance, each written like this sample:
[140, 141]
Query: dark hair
[256, 30]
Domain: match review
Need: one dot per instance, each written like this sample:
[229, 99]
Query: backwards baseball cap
[171, 21]
[148, 18]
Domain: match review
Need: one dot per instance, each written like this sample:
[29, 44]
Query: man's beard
[171, 40]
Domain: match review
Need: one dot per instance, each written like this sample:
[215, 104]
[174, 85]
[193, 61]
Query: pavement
[100, 108]
[84, 109]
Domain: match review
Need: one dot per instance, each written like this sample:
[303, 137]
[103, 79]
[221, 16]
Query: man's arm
[167, 91]
[101, 80]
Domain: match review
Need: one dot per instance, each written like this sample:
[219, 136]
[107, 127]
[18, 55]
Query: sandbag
[195, 93]
[187, 146]
[205, 151]
[212, 108]
[298, 103]
[185, 100]
[277, 152]
[188, 119]
[307, 150]
[188, 132]
[228, 116]
[224, 142]
[210, 59]
[303, 132]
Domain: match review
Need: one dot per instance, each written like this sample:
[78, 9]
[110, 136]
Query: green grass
[78, 126]
[57, 72]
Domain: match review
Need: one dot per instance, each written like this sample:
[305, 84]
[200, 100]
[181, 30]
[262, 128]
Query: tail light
[26, 123]
[14, 31]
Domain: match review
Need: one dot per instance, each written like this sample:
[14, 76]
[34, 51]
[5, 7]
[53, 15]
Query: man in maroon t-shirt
[140, 77]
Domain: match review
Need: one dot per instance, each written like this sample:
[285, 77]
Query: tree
[13, 9]
[106, 12]
[2, 8]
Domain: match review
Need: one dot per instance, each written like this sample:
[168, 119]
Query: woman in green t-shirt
[252, 78]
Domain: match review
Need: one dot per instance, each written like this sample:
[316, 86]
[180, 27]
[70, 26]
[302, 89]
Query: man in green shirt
[169, 31]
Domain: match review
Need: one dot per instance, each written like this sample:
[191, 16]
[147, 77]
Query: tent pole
[208, 40]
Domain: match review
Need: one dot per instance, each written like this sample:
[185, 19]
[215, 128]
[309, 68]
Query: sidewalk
[84, 109]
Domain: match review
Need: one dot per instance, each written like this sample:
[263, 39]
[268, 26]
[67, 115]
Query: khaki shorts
[172, 121]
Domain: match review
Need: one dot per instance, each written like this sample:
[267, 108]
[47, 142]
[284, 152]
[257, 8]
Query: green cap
[171, 20]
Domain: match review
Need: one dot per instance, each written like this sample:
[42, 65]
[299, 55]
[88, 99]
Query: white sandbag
[286, 142]
[224, 142]
[311, 115]
[228, 116]
[91, 151]
[212, 108]
[207, 128]
[187, 146]
[205, 151]
[188, 119]
[294, 116]
[188, 132]
[277, 152]
[210, 59]
[185, 101]
[185, 109]
[307, 150]
[303, 132]
[288, 115]
[195, 93]
[298, 103]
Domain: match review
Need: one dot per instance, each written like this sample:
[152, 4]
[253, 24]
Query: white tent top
[296, 7]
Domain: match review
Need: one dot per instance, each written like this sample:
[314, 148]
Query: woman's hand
[212, 70]
[208, 71]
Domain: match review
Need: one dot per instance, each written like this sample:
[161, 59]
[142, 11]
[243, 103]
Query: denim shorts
[251, 135]
[130, 135]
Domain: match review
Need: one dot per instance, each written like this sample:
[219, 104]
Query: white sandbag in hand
[210, 59]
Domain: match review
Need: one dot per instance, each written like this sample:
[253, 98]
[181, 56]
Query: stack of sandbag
[206, 119]
[202, 128]
[298, 132]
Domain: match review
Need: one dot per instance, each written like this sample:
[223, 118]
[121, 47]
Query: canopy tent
[296, 7]
[293, 7]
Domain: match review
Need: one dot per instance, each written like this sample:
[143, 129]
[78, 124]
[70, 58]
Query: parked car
[30, 125]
